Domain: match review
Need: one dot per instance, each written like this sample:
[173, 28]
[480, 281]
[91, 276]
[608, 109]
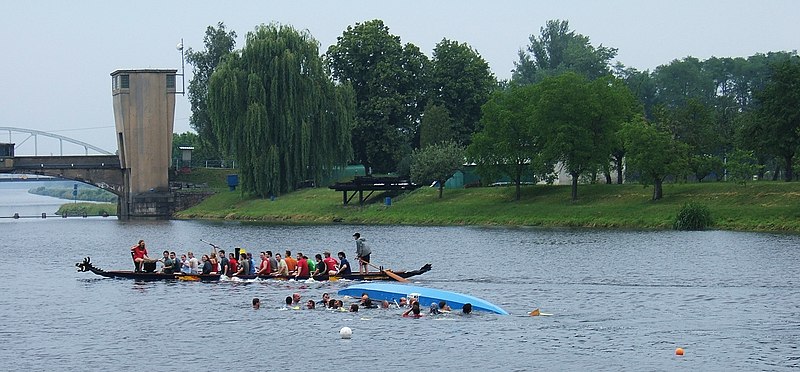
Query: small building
[6, 150]
[185, 165]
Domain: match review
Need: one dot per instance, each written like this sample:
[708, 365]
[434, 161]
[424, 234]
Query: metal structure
[36, 133]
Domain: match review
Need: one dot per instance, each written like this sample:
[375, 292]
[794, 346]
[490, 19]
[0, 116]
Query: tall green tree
[694, 124]
[654, 154]
[389, 81]
[510, 142]
[557, 50]
[219, 43]
[436, 162]
[436, 126]
[779, 123]
[276, 109]
[461, 81]
[580, 118]
[683, 80]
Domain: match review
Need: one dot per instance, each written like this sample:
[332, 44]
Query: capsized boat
[86, 265]
[393, 292]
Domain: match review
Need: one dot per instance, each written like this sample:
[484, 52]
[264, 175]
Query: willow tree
[274, 107]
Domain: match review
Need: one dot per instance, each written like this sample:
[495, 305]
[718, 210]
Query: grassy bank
[757, 206]
[88, 209]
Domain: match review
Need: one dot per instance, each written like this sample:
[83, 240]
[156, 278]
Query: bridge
[144, 114]
[31, 133]
[102, 171]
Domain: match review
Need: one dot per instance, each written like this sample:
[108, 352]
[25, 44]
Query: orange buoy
[679, 351]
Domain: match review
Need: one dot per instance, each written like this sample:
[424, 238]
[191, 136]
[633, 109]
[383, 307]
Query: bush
[693, 217]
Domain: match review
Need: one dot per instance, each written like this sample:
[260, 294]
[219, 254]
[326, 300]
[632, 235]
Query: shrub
[693, 217]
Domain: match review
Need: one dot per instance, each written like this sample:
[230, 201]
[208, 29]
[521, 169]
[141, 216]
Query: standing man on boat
[362, 254]
[139, 255]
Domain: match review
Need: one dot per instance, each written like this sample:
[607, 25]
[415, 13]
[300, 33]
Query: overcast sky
[57, 55]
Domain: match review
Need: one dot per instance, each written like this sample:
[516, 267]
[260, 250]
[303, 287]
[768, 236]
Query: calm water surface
[621, 300]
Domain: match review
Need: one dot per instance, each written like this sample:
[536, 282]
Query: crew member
[139, 255]
[362, 254]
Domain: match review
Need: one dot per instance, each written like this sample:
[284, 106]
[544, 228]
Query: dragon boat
[152, 275]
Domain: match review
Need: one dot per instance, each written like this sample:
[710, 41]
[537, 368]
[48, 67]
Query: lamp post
[179, 47]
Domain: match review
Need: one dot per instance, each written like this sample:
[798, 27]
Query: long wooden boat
[86, 265]
[393, 292]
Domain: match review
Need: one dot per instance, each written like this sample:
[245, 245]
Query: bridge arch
[32, 133]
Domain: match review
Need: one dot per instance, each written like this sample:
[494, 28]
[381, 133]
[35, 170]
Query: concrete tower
[144, 114]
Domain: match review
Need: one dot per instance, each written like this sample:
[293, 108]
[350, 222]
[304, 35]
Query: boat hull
[393, 292]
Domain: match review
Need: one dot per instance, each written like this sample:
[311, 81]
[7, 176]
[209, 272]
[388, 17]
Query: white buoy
[346, 332]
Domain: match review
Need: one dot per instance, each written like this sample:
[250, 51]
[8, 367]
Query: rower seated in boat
[139, 254]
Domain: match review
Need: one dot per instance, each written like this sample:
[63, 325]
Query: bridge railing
[212, 163]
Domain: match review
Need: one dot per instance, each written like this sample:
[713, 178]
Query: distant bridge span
[102, 171]
[32, 133]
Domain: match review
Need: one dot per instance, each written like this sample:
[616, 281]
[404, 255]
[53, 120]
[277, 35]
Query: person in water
[413, 311]
[366, 302]
[467, 308]
[256, 303]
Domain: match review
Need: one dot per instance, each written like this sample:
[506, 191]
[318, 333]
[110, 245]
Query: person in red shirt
[233, 263]
[302, 266]
[139, 255]
[330, 263]
[264, 268]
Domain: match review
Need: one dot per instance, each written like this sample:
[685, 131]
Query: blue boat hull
[393, 292]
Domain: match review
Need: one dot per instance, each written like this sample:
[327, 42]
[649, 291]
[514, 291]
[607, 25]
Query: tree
[653, 153]
[436, 126]
[580, 118]
[462, 82]
[510, 142]
[388, 79]
[694, 124]
[436, 162]
[682, 80]
[274, 107]
[779, 124]
[219, 43]
[742, 166]
[559, 49]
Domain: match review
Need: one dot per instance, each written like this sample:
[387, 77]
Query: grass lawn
[757, 206]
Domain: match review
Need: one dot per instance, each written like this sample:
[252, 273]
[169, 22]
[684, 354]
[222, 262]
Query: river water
[621, 300]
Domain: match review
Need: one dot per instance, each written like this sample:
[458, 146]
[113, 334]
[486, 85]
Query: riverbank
[757, 206]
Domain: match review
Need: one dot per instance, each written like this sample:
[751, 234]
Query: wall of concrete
[144, 116]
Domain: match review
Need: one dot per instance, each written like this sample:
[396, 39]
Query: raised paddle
[387, 272]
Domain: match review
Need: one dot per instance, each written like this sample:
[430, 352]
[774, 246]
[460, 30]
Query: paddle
[387, 272]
